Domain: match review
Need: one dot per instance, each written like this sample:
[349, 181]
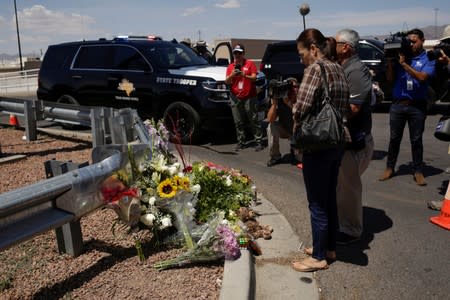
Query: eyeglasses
[237, 52]
[341, 43]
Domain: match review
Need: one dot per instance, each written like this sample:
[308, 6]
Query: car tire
[67, 99]
[183, 123]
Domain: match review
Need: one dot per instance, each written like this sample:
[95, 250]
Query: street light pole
[18, 36]
[304, 10]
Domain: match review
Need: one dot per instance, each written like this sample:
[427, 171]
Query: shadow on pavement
[375, 221]
[406, 169]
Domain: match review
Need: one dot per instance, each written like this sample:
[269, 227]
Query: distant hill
[431, 33]
[9, 57]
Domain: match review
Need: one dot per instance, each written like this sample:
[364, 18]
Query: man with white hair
[358, 153]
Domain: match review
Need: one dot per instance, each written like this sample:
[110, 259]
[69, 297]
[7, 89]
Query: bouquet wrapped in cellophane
[156, 192]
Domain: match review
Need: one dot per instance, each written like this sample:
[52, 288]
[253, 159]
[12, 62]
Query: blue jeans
[320, 173]
[399, 115]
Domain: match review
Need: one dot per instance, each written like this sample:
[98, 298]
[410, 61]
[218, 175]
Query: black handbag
[442, 131]
[323, 127]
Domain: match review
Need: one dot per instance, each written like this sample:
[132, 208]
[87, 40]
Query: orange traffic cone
[13, 120]
[443, 219]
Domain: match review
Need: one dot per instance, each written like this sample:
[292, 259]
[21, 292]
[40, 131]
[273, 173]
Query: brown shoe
[420, 180]
[388, 173]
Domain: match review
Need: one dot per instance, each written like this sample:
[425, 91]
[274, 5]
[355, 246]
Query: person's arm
[272, 113]
[421, 76]
[360, 87]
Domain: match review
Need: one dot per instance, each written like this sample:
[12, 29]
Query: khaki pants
[349, 188]
[275, 131]
[245, 113]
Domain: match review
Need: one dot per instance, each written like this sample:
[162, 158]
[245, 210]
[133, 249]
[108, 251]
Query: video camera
[436, 52]
[279, 88]
[397, 43]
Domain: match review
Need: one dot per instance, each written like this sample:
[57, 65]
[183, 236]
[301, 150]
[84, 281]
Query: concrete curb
[239, 278]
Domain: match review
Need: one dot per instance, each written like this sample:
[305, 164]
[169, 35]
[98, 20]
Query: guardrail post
[69, 236]
[30, 120]
[100, 125]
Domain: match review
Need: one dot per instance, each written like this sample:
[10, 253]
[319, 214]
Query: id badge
[409, 85]
[241, 84]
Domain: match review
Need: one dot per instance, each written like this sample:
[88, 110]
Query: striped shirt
[311, 85]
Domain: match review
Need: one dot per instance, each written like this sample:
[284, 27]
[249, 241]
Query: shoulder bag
[323, 127]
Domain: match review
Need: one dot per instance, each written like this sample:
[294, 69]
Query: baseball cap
[238, 48]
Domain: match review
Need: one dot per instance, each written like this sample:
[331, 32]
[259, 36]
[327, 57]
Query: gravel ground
[109, 267]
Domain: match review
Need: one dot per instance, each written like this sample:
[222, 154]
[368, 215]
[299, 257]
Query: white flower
[176, 165]
[159, 163]
[253, 187]
[228, 180]
[156, 177]
[180, 174]
[172, 170]
[148, 219]
[165, 222]
[196, 188]
[152, 200]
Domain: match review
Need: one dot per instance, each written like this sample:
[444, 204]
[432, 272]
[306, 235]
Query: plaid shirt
[311, 85]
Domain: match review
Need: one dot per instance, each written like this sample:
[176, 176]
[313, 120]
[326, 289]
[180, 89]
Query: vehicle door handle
[77, 76]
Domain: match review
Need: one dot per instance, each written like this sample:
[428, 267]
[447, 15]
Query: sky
[45, 22]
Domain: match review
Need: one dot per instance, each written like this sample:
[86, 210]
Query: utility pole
[18, 36]
[304, 10]
[435, 22]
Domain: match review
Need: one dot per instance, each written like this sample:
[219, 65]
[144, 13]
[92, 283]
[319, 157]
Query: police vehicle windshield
[174, 56]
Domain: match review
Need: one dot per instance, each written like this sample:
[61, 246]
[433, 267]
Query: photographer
[411, 75]
[241, 75]
[280, 120]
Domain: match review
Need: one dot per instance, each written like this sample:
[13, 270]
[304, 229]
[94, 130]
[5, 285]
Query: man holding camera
[281, 121]
[241, 75]
[411, 77]
[358, 153]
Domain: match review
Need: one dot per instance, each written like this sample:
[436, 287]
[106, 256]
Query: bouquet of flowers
[218, 241]
[157, 192]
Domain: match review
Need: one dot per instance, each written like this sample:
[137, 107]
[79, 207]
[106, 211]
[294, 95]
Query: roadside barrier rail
[59, 202]
[125, 122]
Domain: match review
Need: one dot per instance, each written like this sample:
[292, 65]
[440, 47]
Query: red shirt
[243, 88]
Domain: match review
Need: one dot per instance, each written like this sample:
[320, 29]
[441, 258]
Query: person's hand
[443, 58]
[401, 58]
[237, 72]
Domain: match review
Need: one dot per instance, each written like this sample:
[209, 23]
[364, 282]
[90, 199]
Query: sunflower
[167, 189]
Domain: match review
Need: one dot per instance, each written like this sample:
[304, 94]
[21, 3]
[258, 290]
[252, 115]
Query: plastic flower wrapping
[156, 192]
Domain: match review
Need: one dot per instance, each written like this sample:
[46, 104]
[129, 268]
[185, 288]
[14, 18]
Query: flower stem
[140, 252]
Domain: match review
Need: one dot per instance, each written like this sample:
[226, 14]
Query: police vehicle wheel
[67, 99]
[183, 122]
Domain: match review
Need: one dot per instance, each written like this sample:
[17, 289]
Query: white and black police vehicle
[159, 78]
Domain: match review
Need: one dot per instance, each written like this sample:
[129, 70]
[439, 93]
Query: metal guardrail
[51, 203]
[59, 202]
[100, 119]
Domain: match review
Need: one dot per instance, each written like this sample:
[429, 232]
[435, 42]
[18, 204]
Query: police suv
[161, 79]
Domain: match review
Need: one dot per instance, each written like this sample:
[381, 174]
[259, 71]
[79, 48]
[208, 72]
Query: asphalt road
[401, 255]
